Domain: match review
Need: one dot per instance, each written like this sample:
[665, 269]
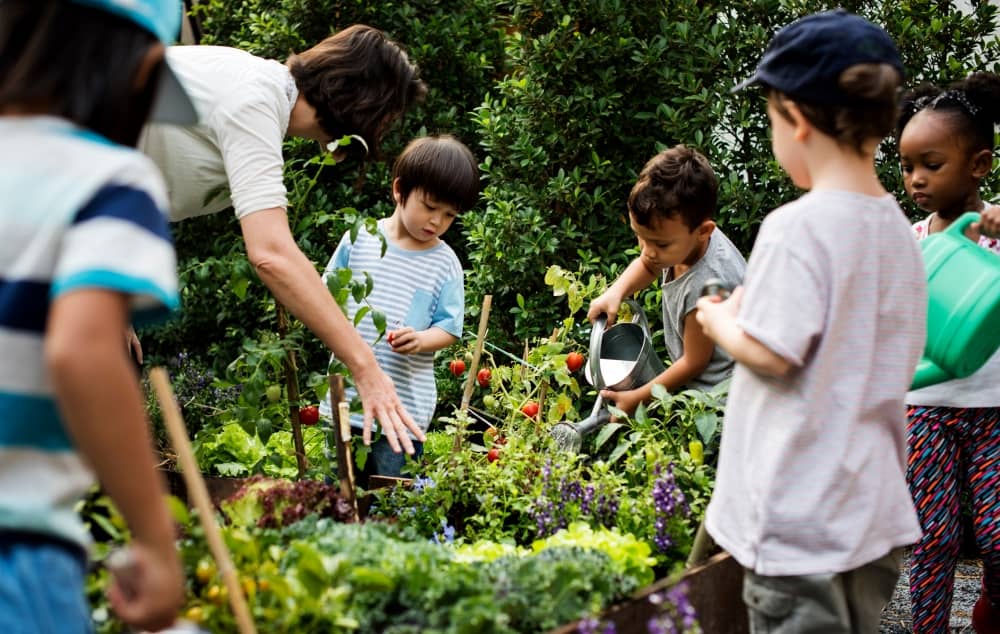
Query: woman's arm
[294, 281]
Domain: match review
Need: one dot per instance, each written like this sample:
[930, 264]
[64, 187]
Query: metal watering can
[963, 312]
[621, 358]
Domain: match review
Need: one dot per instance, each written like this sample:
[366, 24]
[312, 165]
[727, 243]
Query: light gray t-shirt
[722, 260]
[233, 156]
[812, 466]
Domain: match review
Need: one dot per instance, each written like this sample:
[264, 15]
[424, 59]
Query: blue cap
[804, 59]
[162, 18]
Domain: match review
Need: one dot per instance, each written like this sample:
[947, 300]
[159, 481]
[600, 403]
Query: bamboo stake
[484, 317]
[341, 435]
[542, 389]
[344, 436]
[198, 493]
[292, 385]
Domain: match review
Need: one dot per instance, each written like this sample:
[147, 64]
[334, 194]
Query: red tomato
[456, 367]
[309, 415]
[493, 455]
[483, 376]
[574, 361]
[530, 409]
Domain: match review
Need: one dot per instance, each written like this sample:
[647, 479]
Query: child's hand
[148, 587]
[608, 304]
[404, 340]
[626, 400]
[989, 225]
[713, 311]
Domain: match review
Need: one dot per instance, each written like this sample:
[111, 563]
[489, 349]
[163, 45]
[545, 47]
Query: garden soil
[896, 617]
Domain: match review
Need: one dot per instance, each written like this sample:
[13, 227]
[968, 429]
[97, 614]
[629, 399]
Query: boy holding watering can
[811, 495]
[671, 210]
[946, 148]
[85, 248]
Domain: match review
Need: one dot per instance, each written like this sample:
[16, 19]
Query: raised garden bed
[715, 590]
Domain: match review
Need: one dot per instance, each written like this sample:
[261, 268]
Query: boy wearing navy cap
[811, 494]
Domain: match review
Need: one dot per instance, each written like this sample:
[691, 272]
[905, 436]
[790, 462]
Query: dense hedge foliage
[563, 101]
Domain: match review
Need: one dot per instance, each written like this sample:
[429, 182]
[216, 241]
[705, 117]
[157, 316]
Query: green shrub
[596, 87]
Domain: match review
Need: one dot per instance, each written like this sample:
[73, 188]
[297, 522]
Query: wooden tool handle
[198, 493]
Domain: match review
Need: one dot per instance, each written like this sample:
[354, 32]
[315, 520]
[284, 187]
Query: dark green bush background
[563, 102]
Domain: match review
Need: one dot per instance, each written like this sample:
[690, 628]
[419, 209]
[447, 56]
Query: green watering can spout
[963, 312]
[929, 374]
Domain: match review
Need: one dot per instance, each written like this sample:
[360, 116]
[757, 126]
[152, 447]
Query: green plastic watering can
[963, 311]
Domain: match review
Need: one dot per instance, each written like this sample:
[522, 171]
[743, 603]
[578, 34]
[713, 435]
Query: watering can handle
[597, 334]
[928, 373]
[962, 223]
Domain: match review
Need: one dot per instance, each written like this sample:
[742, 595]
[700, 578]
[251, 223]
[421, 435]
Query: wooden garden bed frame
[715, 589]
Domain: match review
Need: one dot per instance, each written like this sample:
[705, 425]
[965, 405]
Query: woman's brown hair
[359, 81]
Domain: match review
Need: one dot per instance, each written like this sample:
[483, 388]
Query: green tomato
[273, 393]
[490, 401]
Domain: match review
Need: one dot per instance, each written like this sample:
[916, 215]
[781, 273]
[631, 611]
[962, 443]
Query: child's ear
[982, 163]
[705, 229]
[799, 121]
[397, 196]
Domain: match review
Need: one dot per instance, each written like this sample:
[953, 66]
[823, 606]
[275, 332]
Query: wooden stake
[292, 385]
[344, 438]
[198, 493]
[341, 434]
[470, 381]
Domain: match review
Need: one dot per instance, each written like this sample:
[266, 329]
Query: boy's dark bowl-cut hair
[359, 81]
[75, 62]
[872, 91]
[678, 182]
[442, 167]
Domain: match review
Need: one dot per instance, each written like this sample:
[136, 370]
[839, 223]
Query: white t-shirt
[812, 467]
[233, 156]
[982, 388]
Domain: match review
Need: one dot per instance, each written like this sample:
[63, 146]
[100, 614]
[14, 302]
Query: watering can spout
[928, 374]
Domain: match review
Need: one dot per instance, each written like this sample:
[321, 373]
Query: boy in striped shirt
[418, 280]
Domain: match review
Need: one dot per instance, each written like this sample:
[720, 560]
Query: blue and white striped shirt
[76, 211]
[420, 289]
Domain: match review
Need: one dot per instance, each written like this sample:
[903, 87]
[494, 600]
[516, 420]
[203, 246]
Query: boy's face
[669, 242]
[422, 217]
[787, 149]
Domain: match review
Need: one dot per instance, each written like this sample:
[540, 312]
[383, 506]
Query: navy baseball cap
[804, 59]
[162, 18]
